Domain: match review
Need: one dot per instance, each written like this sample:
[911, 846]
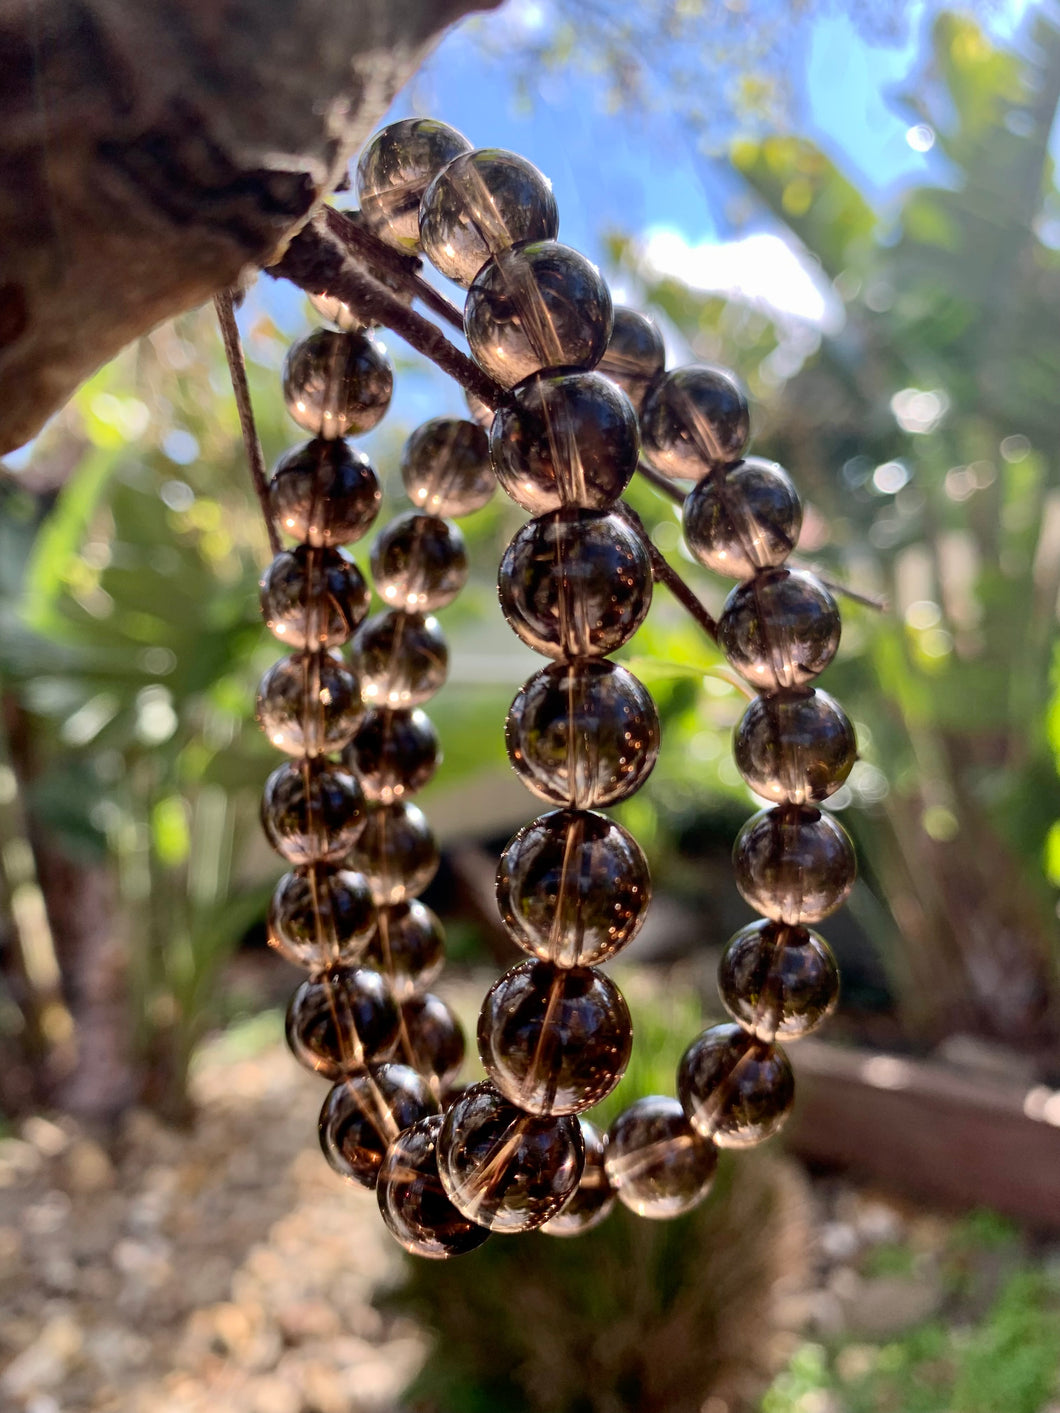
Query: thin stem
[663, 573]
[237, 368]
[661, 483]
[405, 267]
[874, 601]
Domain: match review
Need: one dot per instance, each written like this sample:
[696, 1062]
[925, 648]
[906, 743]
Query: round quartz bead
[568, 439]
[342, 1020]
[334, 311]
[393, 753]
[309, 704]
[445, 467]
[413, 1201]
[313, 598]
[794, 864]
[734, 1089]
[408, 946]
[779, 629]
[396, 852]
[481, 204]
[656, 1162]
[573, 888]
[324, 493]
[635, 355]
[432, 1039]
[396, 168]
[541, 306]
[593, 1198]
[363, 1115]
[583, 734]
[575, 583]
[419, 563]
[554, 1040]
[481, 412]
[798, 748]
[321, 915]
[694, 419]
[505, 1169]
[402, 659]
[312, 811]
[337, 383]
[778, 981]
[743, 518]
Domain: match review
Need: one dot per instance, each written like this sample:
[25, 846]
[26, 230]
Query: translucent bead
[445, 467]
[779, 629]
[734, 1089]
[694, 419]
[393, 753]
[363, 1115]
[583, 734]
[540, 306]
[554, 1040]
[342, 1020]
[798, 748]
[573, 888]
[396, 168]
[334, 311]
[505, 1169]
[419, 563]
[575, 583]
[324, 493]
[593, 1198]
[413, 1201]
[402, 659]
[309, 704]
[321, 915]
[408, 946]
[481, 412]
[335, 383]
[656, 1162]
[397, 853]
[744, 518]
[794, 864]
[312, 811]
[313, 598]
[432, 1040]
[568, 439]
[778, 981]
[482, 203]
[635, 355]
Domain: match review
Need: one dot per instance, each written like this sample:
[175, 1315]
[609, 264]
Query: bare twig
[406, 268]
[237, 369]
[661, 483]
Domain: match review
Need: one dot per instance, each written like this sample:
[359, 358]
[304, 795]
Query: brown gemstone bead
[408, 946]
[413, 1201]
[342, 1020]
[693, 419]
[779, 629]
[335, 383]
[794, 864]
[313, 598]
[393, 754]
[446, 467]
[324, 493]
[734, 1089]
[795, 747]
[321, 915]
[593, 1198]
[419, 563]
[778, 982]
[635, 355]
[432, 1040]
[743, 518]
[312, 811]
[396, 852]
[309, 704]
[363, 1114]
[394, 170]
[402, 659]
[656, 1162]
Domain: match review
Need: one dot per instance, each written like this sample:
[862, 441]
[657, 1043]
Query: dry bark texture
[152, 149]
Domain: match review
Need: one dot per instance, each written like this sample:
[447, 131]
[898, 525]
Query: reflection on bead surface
[324, 493]
[656, 1162]
[483, 203]
[507, 1170]
[583, 733]
[309, 704]
[321, 915]
[778, 981]
[568, 439]
[432, 1040]
[446, 468]
[312, 811]
[794, 864]
[481, 412]
[396, 852]
[363, 1115]
[798, 748]
[396, 168]
[635, 355]
[554, 1040]
[402, 659]
[744, 518]
[336, 383]
[408, 946]
[593, 1198]
[393, 753]
[734, 1089]
[694, 418]
[575, 583]
[419, 563]
[780, 629]
[413, 1201]
[573, 888]
[342, 1020]
[541, 306]
[313, 598]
